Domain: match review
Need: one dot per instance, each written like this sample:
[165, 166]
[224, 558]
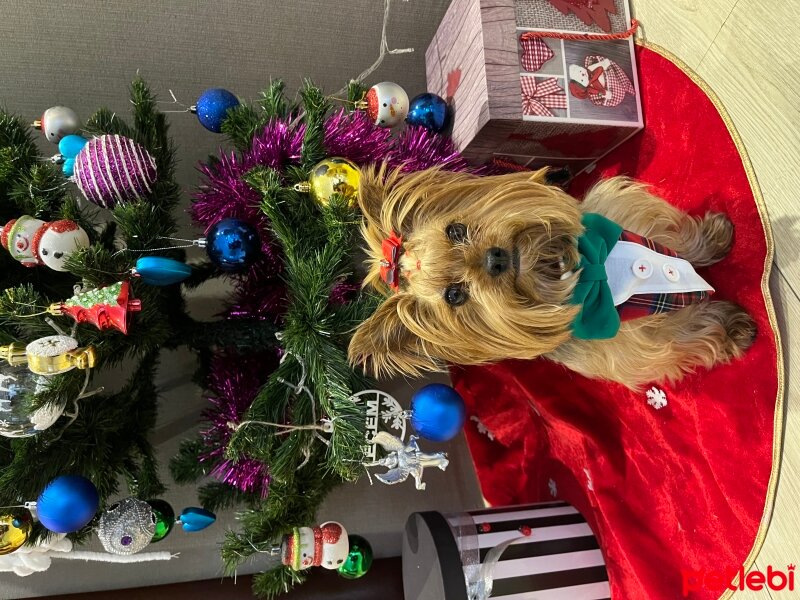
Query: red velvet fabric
[684, 487]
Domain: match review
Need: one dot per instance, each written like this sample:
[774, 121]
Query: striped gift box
[546, 552]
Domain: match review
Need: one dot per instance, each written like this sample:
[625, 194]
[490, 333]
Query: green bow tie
[598, 318]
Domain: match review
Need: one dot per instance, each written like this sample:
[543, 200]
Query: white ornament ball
[57, 241]
[387, 104]
[58, 122]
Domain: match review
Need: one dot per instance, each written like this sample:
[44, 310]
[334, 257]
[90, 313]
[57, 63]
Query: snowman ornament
[326, 546]
[33, 242]
[58, 122]
[387, 104]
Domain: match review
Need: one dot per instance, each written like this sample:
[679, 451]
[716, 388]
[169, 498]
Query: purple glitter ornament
[113, 169]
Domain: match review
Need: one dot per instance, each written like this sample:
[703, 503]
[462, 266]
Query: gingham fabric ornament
[127, 527]
[540, 95]
[534, 54]
[601, 81]
[113, 169]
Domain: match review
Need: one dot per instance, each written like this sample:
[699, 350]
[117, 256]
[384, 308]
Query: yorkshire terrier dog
[481, 269]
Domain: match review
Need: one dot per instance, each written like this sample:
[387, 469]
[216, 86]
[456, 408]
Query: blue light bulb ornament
[232, 244]
[194, 518]
[429, 111]
[67, 504]
[160, 271]
[68, 168]
[437, 412]
[71, 145]
[212, 108]
[68, 148]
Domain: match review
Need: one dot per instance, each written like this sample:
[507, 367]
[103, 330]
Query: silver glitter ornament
[127, 527]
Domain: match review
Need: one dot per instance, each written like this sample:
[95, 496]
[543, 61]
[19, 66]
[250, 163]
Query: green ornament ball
[164, 518]
[359, 560]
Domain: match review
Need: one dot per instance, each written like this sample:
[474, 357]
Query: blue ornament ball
[212, 108]
[429, 111]
[437, 412]
[232, 244]
[67, 504]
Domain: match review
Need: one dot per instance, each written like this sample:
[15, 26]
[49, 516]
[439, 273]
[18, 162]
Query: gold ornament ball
[14, 531]
[334, 176]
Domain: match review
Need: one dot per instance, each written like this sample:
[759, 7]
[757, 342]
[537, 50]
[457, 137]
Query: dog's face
[481, 269]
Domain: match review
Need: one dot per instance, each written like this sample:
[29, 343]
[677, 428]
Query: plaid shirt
[643, 305]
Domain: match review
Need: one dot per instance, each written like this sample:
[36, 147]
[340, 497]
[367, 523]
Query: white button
[671, 272]
[643, 269]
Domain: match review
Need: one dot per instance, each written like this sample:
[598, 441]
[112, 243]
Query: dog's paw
[741, 329]
[717, 233]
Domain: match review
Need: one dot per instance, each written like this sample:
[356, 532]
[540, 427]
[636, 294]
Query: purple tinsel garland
[233, 382]
[260, 293]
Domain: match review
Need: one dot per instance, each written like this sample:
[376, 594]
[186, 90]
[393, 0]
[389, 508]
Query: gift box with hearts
[535, 82]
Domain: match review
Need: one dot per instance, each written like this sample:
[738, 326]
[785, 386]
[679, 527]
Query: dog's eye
[455, 295]
[456, 233]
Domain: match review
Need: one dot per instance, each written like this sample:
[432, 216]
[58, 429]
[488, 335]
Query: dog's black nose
[496, 261]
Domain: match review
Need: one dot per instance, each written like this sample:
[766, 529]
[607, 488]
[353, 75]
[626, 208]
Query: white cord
[384, 50]
[112, 558]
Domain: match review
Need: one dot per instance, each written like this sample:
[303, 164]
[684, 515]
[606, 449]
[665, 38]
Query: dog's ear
[384, 345]
[372, 189]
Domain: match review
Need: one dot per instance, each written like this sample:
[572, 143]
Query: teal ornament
[212, 107]
[598, 318]
[157, 270]
[196, 519]
[232, 244]
[67, 504]
[71, 145]
[437, 412]
[429, 111]
[68, 168]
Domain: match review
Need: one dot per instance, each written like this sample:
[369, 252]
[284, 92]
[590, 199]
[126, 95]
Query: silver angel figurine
[404, 459]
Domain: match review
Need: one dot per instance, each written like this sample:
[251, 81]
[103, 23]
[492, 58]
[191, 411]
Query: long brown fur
[525, 312]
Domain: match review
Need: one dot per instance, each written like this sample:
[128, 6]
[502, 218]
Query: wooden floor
[747, 52]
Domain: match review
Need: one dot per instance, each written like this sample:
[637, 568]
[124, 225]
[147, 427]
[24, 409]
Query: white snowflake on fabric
[589, 482]
[482, 428]
[551, 485]
[656, 398]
